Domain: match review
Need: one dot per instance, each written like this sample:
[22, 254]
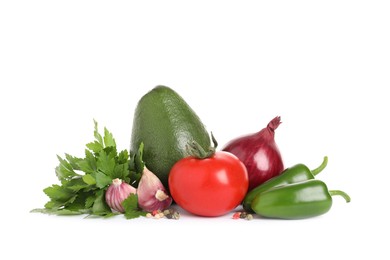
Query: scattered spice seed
[242, 215]
[171, 214]
[236, 215]
[168, 213]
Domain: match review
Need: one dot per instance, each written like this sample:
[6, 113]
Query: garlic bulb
[152, 195]
[117, 193]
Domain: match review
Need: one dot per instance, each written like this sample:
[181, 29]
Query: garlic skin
[117, 192]
[152, 194]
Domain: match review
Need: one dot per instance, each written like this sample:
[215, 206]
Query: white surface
[323, 66]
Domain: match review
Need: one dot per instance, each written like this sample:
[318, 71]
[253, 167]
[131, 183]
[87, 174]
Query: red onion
[259, 153]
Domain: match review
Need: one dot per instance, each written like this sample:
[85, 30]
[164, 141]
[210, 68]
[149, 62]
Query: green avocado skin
[165, 123]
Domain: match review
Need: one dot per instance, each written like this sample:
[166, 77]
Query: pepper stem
[321, 167]
[340, 193]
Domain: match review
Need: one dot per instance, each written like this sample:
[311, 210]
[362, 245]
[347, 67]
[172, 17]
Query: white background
[323, 66]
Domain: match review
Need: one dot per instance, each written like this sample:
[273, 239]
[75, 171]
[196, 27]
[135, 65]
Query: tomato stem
[196, 150]
[215, 143]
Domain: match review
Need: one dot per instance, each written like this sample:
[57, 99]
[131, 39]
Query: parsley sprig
[85, 180]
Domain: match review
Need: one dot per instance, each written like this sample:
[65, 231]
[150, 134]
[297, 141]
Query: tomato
[209, 187]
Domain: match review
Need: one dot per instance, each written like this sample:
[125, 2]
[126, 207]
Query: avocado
[165, 123]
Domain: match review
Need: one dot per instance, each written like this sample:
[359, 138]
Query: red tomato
[209, 187]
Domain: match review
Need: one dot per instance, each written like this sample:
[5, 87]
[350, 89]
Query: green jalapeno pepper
[296, 201]
[294, 174]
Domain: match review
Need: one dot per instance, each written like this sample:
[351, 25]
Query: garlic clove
[152, 195]
[117, 192]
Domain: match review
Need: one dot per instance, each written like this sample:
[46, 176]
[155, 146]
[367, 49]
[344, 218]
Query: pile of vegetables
[172, 162]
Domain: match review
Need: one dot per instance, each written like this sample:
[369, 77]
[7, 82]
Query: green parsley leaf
[59, 212]
[89, 179]
[108, 139]
[123, 157]
[121, 171]
[131, 207]
[88, 164]
[89, 201]
[73, 161]
[98, 137]
[136, 165]
[95, 146]
[79, 203]
[102, 180]
[100, 206]
[76, 184]
[138, 160]
[106, 162]
[60, 196]
[65, 171]
[59, 193]
[54, 205]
